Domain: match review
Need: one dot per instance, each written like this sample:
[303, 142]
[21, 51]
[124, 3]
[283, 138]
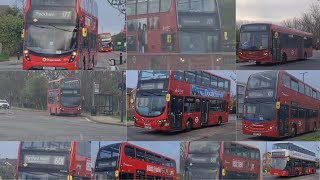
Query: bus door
[204, 112]
[290, 167]
[276, 51]
[300, 48]
[283, 120]
[176, 112]
[307, 120]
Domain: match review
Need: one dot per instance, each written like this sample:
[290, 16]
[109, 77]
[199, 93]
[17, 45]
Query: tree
[11, 25]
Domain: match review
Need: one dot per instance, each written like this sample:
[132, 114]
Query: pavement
[226, 132]
[312, 63]
[104, 119]
[20, 124]
[305, 177]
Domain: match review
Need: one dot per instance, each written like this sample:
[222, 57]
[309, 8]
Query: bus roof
[294, 145]
[245, 145]
[127, 143]
[283, 29]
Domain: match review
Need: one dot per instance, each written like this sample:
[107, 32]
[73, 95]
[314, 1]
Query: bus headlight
[135, 119]
[73, 56]
[265, 54]
[26, 54]
[162, 122]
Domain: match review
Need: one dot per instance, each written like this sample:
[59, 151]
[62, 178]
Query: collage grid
[159, 89]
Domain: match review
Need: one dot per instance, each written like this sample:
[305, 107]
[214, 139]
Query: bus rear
[105, 42]
[255, 44]
[260, 105]
[151, 108]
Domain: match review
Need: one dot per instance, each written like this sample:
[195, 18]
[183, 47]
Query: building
[266, 162]
[241, 87]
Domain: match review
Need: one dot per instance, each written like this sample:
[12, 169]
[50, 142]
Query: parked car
[4, 104]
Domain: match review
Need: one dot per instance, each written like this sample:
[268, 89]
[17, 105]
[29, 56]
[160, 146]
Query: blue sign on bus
[206, 92]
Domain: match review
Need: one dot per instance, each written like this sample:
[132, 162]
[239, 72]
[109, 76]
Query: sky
[110, 19]
[9, 149]
[170, 149]
[132, 78]
[273, 11]
[311, 77]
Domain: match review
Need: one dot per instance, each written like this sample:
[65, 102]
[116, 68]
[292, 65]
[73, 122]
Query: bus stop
[103, 104]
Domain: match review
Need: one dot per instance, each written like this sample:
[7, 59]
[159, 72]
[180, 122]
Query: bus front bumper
[266, 129]
[152, 124]
[279, 172]
[257, 57]
[43, 63]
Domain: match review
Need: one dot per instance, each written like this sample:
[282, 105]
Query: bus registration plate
[257, 134]
[147, 127]
[49, 68]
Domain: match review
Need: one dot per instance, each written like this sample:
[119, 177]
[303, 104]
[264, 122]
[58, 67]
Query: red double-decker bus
[105, 42]
[54, 161]
[179, 100]
[64, 96]
[278, 104]
[60, 34]
[269, 43]
[288, 159]
[221, 160]
[127, 161]
[174, 34]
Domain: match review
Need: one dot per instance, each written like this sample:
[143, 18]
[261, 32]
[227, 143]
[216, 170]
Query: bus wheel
[284, 58]
[258, 63]
[293, 130]
[189, 125]
[219, 121]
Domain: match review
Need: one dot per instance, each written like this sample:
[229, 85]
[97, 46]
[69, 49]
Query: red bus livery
[221, 160]
[269, 43]
[277, 104]
[105, 41]
[54, 160]
[127, 161]
[288, 159]
[179, 100]
[173, 33]
[64, 96]
[60, 35]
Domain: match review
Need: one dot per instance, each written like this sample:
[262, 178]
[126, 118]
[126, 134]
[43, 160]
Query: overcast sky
[110, 19]
[132, 78]
[273, 11]
[311, 77]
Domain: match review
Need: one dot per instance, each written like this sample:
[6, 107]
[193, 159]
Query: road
[23, 125]
[242, 137]
[226, 132]
[103, 62]
[312, 63]
[306, 177]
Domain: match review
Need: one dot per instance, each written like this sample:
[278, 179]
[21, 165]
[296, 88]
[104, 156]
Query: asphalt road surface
[23, 125]
[104, 62]
[312, 63]
[306, 177]
[242, 137]
[226, 132]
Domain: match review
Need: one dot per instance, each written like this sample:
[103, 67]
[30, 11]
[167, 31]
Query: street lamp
[303, 75]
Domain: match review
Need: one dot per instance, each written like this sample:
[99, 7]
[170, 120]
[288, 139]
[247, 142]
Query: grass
[119, 117]
[4, 57]
[311, 137]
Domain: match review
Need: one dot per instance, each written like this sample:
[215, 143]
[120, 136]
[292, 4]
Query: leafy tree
[11, 25]
[35, 91]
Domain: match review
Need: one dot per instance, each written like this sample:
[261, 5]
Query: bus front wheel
[293, 130]
[189, 125]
